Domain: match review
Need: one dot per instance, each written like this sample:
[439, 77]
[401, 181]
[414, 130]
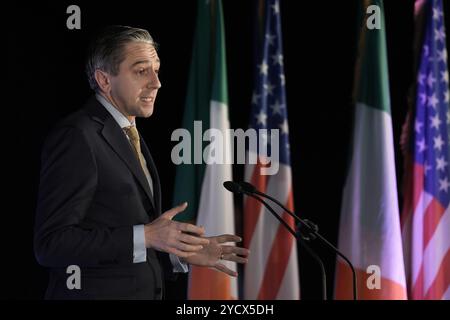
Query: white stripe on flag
[265, 232]
[436, 250]
[259, 248]
[290, 283]
[417, 231]
[369, 232]
[249, 169]
[446, 295]
[216, 205]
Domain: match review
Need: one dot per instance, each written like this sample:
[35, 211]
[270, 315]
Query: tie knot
[132, 133]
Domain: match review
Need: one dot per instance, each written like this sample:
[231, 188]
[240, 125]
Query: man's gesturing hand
[216, 252]
[166, 235]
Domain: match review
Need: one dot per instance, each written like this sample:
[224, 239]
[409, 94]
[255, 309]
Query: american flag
[426, 213]
[272, 270]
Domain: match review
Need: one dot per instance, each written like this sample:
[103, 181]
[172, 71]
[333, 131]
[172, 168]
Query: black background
[46, 81]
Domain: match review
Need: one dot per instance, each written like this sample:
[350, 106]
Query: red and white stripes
[272, 270]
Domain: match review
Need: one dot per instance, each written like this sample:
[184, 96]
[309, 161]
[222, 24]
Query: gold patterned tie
[133, 135]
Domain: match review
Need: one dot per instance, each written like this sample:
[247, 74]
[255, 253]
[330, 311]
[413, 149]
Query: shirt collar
[116, 114]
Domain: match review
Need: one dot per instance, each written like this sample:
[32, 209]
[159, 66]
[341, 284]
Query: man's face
[134, 88]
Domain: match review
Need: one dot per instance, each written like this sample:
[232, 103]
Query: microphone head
[232, 187]
[247, 187]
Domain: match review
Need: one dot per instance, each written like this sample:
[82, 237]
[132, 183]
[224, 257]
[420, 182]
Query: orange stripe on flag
[389, 290]
[209, 285]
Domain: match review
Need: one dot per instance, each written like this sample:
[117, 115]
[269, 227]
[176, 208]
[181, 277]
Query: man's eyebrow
[145, 61]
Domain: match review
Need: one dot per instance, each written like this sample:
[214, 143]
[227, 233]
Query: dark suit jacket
[92, 192]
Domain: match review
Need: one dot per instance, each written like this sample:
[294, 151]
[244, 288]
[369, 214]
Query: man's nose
[153, 81]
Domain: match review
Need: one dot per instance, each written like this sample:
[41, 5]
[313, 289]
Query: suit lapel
[117, 140]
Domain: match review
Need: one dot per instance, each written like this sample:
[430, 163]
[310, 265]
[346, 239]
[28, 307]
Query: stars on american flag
[284, 127]
[268, 88]
[422, 146]
[276, 108]
[423, 98]
[435, 121]
[439, 34]
[444, 184]
[276, 8]
[255, 98]
[270, 39]
[283, 81]
[438, 142]
[421, 78]
[442, 55]
[262, 118]
[441, 163]
[418, 126]
[432, 101]
[269, 98]
[278, 58]
[437, 13]
[432, 123]
[425, 227]
[444, 76]
[263, 68]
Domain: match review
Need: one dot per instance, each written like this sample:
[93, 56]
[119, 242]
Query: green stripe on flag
[220, 89]
[372, 81]
[201, 89]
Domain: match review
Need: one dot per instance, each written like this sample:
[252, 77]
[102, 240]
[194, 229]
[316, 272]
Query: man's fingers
[226, 270]
[235, 258]
[190, 228]
[169, 214]
[188, 248]
[236, 250]
[228, 238]
[193, 240]
[179, 253]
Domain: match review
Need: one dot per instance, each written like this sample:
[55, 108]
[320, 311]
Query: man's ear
[103, 80]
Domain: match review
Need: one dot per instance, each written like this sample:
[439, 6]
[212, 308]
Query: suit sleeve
[68, 180]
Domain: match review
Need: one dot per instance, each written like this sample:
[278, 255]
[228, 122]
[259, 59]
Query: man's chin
[145, 111]
[147, 114]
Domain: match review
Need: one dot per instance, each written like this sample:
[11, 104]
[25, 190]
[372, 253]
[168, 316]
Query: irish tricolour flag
[201, 185]
[369, 232]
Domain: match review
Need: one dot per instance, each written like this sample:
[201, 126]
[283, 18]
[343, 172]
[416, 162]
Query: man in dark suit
[99, 203]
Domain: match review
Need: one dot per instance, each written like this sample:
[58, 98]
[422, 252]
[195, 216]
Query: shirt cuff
[178, 266]
[139, 249]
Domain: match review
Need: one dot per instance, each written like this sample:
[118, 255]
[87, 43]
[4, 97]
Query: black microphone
[233, 187]
[248, 188]
[236, 188]
[312, 228]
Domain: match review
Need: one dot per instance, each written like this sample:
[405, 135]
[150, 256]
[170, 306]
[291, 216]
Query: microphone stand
[312, 228]
[299, 238]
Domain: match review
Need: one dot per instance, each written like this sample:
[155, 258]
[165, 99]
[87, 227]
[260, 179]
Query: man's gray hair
[106, 50]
